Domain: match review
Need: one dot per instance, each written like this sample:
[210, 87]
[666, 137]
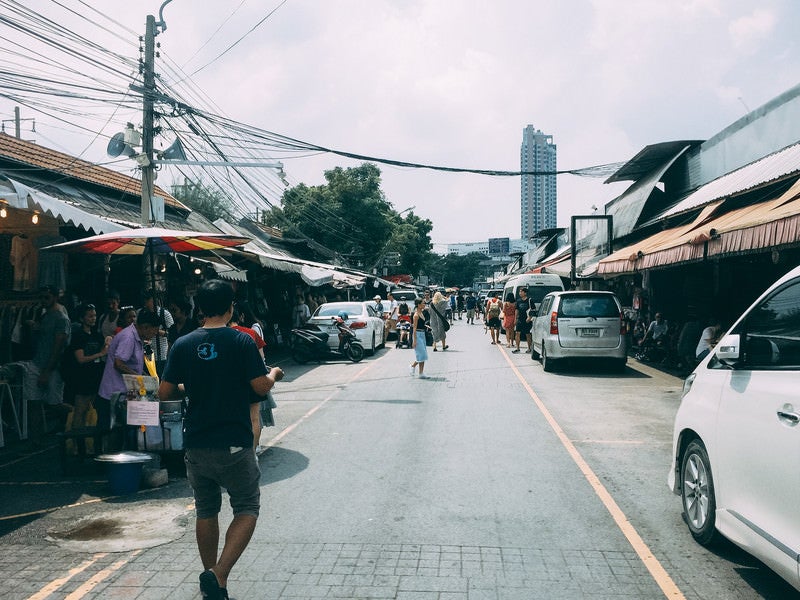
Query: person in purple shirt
[125, 356]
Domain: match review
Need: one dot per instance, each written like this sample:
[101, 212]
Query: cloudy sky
[454, 82]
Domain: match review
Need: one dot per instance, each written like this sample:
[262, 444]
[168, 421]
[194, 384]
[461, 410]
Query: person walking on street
[509, 312]
[225, 377]
[438, 319]
[471, 303]
[418, 339]
[493, 310]
[523, 319]
[392, 314]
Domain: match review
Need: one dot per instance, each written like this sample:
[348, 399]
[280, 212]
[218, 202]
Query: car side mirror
[729, 349]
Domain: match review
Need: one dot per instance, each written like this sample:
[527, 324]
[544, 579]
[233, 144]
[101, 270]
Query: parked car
[361, 317]
[736, 441]
[579, 324]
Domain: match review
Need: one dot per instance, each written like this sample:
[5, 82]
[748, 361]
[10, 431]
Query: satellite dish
[117, 146]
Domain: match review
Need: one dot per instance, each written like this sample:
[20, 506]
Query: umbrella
[150, 240]
[153, 240]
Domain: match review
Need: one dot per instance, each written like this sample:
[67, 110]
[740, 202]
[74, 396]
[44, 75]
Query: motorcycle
[311, 343]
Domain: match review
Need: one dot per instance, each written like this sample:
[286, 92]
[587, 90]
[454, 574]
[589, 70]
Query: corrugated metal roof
[769, 169]
[627, 207]
[649, 158]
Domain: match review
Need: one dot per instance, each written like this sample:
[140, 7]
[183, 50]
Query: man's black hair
[184, 305]
[146, 317]
[215, 297]
[112, 295]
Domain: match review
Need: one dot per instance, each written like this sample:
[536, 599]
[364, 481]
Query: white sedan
[361, 318]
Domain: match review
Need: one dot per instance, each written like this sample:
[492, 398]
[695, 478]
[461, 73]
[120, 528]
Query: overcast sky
[454, 82]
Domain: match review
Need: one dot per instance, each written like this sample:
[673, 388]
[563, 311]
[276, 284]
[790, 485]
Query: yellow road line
[57, 583]
[660, 575]
[98, 577]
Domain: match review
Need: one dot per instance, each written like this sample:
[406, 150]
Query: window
[771, 331]
[588, 306]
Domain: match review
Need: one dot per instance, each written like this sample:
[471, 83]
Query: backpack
[494, 309]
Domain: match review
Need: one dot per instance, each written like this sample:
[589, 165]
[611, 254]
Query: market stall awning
[20, 196]
[313, 273]
[751, 228]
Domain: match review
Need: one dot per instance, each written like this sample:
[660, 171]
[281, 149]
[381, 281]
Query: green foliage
[210, 202]
[351, 215]
[457, 271]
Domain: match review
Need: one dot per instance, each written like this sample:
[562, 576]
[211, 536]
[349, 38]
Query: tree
[411, 240]
[455, 270]
[210, 202]
[350, 215]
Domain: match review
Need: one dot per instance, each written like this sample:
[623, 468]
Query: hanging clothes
[23, 257]
[51, 264]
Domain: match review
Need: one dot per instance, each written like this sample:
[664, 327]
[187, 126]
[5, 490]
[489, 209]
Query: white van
[538, 284]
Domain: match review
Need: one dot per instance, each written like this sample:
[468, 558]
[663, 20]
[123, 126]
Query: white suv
[736, 442]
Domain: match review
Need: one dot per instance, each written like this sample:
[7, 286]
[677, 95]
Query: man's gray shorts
[210, 469]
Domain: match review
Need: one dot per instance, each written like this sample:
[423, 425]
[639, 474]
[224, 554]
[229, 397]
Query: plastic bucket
[124, 471]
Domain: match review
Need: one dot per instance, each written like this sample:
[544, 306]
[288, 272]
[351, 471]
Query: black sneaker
[209, 586]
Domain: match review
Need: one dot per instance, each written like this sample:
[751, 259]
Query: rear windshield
[331, 310]
[404, 295]
[537, 292]
[588, 306]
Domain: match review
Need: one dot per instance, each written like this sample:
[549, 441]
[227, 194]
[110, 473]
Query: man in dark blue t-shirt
[224, 378]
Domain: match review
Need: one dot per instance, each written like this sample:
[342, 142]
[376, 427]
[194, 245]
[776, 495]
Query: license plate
[590, 332]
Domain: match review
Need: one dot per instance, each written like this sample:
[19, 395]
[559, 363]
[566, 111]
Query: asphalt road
[491, 479]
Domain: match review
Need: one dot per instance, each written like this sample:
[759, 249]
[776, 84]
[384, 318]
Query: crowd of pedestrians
[80, 356]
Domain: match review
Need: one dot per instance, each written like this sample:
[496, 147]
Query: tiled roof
[32, 154]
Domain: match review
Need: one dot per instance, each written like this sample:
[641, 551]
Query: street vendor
[125, 357]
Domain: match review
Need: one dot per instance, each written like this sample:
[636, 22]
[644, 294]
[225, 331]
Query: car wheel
[534, 353]
[548, 364]
[355, 352]
[372, 346]
[697, 494]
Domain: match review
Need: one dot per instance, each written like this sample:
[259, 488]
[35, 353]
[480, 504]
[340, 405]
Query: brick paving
[329, 570]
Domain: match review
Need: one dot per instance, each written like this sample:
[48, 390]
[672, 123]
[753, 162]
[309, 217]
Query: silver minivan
[579, 324]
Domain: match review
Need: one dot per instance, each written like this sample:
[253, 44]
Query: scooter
[311, 343]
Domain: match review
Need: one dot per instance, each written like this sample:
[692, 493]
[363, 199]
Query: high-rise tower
[538, 206]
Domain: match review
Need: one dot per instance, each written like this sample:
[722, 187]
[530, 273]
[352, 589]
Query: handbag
[445, 324]
[428, 337]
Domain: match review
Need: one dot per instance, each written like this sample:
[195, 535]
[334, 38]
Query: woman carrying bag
[439, 324]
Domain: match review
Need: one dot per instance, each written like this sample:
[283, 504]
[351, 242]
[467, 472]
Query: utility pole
[148, 169]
